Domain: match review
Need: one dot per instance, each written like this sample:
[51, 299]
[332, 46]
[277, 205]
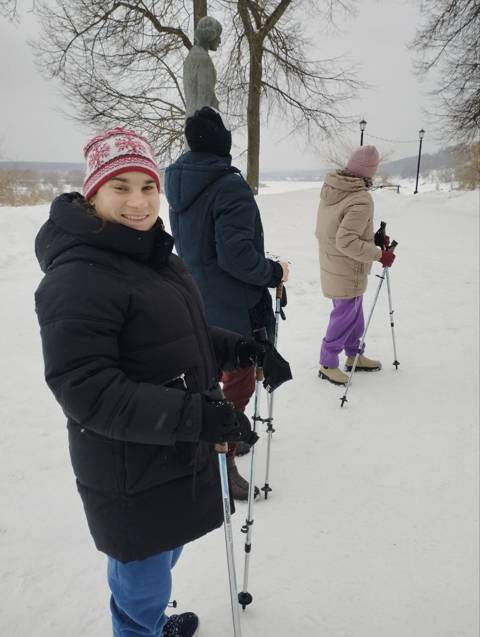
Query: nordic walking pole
[245, 598]
[270, 430]
[380, 241]
[382, 277]
[392, 322]
[227, 517]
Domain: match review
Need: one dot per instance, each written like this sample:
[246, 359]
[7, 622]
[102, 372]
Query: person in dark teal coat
[218, 233]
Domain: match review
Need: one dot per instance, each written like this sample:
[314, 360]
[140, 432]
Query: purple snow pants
[344, 330]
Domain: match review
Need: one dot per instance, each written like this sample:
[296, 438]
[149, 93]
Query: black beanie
[206, 132]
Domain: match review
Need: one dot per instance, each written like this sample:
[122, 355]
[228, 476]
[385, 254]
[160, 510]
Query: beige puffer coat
[345, 236]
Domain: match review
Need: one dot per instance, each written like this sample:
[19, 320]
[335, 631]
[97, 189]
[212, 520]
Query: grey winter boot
[364, 364]
[333, 375]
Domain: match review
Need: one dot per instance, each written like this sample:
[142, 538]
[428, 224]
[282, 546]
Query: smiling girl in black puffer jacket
[132, 362]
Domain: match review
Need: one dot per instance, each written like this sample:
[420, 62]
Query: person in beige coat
[347, 250]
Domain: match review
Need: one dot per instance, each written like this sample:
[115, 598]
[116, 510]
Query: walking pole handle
[279, 291]
[392, 246]
[379, 236]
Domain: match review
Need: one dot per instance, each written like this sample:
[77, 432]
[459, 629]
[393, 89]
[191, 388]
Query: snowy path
[372, 527]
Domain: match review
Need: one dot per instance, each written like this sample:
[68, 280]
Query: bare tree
[448, 40]
[466, 164]
[120, 62]
[305, 92]
[8, 9]
[199, 10]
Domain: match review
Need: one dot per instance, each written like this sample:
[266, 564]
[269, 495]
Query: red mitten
[387, 258]
[386, 241]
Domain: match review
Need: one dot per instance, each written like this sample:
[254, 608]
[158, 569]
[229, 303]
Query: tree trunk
[199, 10]
[253, 114]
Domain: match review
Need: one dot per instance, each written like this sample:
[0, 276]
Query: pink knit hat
[114, 152]
[364, 161]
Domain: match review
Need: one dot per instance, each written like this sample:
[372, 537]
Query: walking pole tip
[244, 599]
[266, 489]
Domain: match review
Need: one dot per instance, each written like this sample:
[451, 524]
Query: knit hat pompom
[117, 151]
[205, 131]
[364, 161]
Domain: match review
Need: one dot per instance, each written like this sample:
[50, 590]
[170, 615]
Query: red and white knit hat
[114, 152]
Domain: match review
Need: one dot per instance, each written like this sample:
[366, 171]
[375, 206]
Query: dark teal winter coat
[218, 233]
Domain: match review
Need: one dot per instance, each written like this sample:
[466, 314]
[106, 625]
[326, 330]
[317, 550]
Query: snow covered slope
[371, 530]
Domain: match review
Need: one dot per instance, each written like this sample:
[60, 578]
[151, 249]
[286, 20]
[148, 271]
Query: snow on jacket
[219, 235]
[120, 319]
[345, 236]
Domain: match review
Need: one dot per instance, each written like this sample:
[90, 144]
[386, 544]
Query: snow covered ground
[279, 187]
[371, 530]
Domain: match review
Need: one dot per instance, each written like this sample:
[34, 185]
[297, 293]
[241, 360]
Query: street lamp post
[421, 134]
[363, 123]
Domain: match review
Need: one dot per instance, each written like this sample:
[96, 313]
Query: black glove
[223, 423]
[276, 370]
[379, 237]
[250, 353]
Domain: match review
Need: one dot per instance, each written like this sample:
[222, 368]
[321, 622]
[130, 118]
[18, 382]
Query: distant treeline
[458, 165]
[445, 162]
[32, 183]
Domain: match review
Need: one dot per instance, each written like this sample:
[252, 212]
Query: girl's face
[131, 198]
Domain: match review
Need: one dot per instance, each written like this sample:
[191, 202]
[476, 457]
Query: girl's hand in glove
[223, 423]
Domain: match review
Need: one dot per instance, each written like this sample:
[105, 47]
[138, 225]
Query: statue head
[207, 33]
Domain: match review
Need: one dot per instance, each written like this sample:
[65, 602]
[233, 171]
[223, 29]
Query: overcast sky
[32, 127]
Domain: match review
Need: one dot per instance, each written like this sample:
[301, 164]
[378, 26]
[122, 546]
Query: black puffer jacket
[120, 320]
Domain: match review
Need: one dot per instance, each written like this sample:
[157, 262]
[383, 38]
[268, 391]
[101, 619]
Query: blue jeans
[140, 594]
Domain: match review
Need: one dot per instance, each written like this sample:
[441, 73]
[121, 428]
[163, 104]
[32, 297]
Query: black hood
[191, 174]
[71, 224]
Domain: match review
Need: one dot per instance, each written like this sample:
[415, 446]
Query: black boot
[184, 625]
